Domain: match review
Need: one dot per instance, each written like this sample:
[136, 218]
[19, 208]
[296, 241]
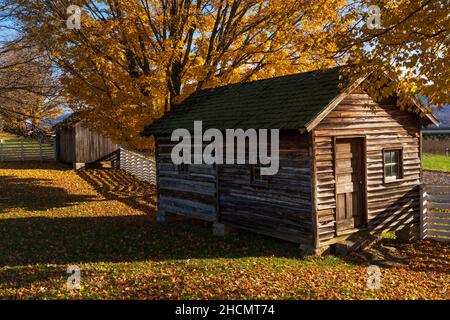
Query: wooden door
[350, 185]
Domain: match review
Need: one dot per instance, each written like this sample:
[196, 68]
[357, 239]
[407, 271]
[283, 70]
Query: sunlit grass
[436, 162]
[104, 222]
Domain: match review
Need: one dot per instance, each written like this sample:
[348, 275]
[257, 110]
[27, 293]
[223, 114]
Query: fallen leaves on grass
[104, 222]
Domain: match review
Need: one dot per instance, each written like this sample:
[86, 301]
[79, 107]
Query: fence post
[55, 149]
[40, 150]
[1, 150]
[423, 212]
[120, 157]
[21, 151]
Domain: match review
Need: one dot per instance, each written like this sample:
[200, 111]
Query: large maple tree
[133, 60]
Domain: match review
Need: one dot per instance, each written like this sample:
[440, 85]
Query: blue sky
[7, 33]
[444, 116]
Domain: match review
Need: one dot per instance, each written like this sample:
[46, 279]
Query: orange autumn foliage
[132, 60]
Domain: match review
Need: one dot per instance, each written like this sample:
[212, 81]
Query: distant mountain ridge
[50, 122]
[444, 116]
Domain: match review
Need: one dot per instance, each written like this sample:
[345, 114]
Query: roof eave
[333, 103]
[429, 115]
[320, 116]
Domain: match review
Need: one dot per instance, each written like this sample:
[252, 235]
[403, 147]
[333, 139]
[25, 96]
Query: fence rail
[437, 144]
[25, 150]
[140, 165]
[435, 211]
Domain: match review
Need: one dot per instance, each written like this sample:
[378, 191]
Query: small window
[183, 168]
[392, 164]
[256, 176]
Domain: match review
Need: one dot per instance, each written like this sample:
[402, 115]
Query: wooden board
[435, 222]
[383, 125]
[349, 173]
[283, 207]
[192, 193]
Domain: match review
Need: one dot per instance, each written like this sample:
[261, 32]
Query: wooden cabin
[347, 163]
[79, 145]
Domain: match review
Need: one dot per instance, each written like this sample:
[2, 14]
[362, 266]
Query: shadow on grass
[420, 256]
[115, 184]
[35, 165]
[396, 214]
[124, 239]
[33, 194]
[25, 276]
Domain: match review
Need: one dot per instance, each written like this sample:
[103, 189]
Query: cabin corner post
[420, 124]
[423, 212]
[422, 190]
[160, 214]
[315, 218]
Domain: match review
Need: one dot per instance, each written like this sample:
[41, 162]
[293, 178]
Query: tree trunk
[174, 79]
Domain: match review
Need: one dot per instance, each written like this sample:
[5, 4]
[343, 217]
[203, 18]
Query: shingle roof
[287, 102]
[71, 120]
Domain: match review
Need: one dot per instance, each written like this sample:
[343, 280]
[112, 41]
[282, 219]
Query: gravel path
[436, 177]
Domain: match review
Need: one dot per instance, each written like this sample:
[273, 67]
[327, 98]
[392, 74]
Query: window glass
[392, 163]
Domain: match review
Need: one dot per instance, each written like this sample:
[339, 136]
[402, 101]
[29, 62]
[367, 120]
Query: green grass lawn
[8, 136]
[436, 162]
[104, 222]
[13, 144]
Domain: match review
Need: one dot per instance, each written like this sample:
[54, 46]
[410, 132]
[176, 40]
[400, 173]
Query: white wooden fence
[26, 150]
[140, 165]
[435, 212]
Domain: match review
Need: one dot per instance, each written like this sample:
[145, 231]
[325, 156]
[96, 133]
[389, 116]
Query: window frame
[386, 178]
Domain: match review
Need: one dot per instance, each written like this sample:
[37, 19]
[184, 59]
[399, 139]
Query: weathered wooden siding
[282, 208]
[190, 194]
[90, 146]
[65, 145]
[388, 204]
[80, 144]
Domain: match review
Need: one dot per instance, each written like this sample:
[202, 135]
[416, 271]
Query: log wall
[389, 205]
[282, 208]
[225, 193]
[191, 193]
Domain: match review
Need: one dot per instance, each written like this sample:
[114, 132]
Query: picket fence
[435, 212]
[26, 150]
[140, 165]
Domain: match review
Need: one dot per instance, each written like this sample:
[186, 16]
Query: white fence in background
[26, 150]
[435, 212]
[140, 165]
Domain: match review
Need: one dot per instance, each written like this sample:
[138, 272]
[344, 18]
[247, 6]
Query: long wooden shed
[347, 162]
[77, 144]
